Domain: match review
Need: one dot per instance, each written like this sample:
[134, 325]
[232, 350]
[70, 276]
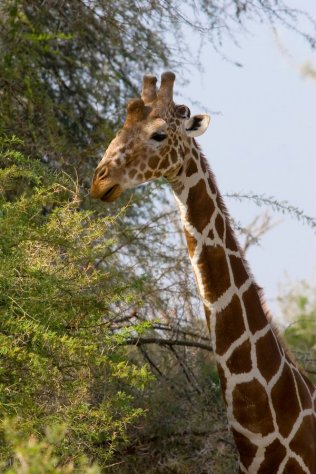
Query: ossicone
[165, 92]
[135, 110]
[149, 89]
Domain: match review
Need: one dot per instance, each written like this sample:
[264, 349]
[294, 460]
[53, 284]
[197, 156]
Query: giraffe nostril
[103, 173]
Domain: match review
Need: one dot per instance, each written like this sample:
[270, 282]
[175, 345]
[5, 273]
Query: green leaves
[33, 456]
[299, 308]
[60, 354]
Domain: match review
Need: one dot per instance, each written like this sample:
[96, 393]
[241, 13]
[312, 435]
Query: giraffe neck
[251, 362]
[218, 262]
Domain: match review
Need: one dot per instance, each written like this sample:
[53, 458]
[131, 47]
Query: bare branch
[139, 341]
[283, 207]
[253, 232]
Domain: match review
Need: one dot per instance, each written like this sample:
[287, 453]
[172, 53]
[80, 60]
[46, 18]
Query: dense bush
[61, 360]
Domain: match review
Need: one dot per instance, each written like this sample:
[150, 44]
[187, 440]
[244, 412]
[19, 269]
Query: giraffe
[270, 403]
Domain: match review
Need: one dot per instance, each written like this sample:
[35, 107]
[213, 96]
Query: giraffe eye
[158, 137]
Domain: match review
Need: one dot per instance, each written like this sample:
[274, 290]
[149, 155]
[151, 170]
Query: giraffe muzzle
[104, 186]
[107, 193]
[111, 194]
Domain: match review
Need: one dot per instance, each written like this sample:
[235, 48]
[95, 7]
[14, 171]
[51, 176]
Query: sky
[262, 139]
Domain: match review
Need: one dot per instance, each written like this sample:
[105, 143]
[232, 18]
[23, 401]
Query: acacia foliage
[61, 361]
[68, 67]
[70, 278]
[40, 456]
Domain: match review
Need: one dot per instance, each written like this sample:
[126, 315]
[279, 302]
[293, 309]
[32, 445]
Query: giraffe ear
[196, 125]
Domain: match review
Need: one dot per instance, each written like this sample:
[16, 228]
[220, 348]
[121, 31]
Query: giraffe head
[152, 143]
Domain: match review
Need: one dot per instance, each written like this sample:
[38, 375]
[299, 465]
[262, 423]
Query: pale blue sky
[263, 140]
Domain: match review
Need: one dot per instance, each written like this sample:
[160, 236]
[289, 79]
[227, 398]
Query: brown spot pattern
[303, 392]
[153, 162]
[211, 234]
[191, 169]
[304, 444]
[292, 467]
[239, 270]
[165, 163]
[219, 225]
[200, 206]
[309, 384]
[231, 242]
[274, 455]
[208, 317]
[246, 449]
[268, 356]
[132, 173]
[240, 360]
[174, 156]
[195, 153]
[214, 271]
[229, 325]
[186, 150]
[251, 407]
[148, 174]
[191, 242]
[256, 318]
[285, 401]
[214, 190]
[203, 164]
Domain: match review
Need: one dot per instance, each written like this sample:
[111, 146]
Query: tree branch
[139, 341]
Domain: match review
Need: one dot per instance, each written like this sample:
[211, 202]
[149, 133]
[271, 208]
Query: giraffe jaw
[112, 193]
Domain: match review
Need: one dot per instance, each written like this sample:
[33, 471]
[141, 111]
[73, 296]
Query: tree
[61, 361]
[92, 308]
[67, 68]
